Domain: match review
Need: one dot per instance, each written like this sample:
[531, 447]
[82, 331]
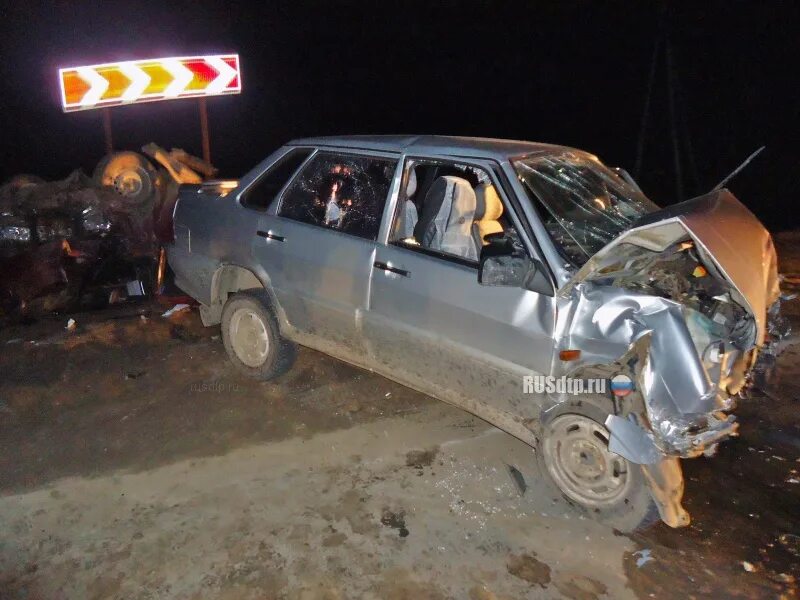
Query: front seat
[447, 216]
[489, 209]
[408, 218]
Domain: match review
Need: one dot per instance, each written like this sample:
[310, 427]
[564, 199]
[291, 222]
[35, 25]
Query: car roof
[440, 145]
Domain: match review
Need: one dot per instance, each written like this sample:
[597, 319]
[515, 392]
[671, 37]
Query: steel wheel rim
[578, 459]
[129, 182]
[249, 339]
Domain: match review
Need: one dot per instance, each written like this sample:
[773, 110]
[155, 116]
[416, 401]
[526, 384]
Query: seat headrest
[489, 207]
[411, 187]
[464, 200]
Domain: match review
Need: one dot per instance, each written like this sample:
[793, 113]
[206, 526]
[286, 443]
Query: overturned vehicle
[84, 242]
[466, 268]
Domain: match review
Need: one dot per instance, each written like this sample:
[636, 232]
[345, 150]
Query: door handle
[271, 236]
[387, 267]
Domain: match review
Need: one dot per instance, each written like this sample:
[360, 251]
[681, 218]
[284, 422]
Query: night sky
[573, 73]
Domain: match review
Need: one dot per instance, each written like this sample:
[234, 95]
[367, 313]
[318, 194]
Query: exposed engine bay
[682, 312]
[723, 332]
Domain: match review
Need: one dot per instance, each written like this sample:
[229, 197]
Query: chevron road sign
[129, 82]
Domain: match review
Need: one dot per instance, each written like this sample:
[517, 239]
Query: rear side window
[342, 192]
[263, 191]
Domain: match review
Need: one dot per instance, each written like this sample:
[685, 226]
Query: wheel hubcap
[577, 457]
[249, 339]
[129, 183]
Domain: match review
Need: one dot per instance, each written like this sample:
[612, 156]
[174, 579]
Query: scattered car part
[518, 479]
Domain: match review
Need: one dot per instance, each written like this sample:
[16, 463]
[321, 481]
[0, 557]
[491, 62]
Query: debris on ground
[419, 459]
[791, 542]
[783, 578]
[528, 568]
[749, 567]
[71, 325]
[518, 479]
[644, 556]
[175, 309]
[395, 520]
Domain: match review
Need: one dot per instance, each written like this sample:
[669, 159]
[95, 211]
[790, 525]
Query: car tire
[132, 176]
[252, 337]
[574, 459]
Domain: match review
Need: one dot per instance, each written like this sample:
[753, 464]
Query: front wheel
[573, 454]
[252, 338]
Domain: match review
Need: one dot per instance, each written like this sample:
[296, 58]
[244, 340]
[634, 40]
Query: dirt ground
[135, 463]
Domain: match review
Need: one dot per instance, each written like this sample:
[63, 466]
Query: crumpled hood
[726, 234]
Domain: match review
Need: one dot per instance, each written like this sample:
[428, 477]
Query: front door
[432, 324]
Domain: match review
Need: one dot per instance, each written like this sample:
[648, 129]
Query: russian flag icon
[621, 385]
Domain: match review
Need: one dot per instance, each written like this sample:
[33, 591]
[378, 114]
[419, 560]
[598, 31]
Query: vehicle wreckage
[87, 241]
[458, 266]
[685, 309]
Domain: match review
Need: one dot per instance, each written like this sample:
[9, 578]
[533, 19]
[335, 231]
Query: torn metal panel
[648, 339]
[728, 238]
[178, 170]
[665, 479]
[631, 441]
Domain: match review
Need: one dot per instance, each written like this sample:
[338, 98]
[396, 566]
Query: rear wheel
[252, 338]
[574, 455]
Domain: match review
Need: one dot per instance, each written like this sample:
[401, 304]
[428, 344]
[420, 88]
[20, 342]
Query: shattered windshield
[586, 204]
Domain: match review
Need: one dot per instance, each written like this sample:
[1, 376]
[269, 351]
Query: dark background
[573, 73]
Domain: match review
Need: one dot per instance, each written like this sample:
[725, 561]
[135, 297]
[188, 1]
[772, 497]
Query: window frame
[485, 166]
[241, 196]
[351, 152]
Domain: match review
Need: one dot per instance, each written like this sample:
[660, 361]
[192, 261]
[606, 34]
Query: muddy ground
[135, 463]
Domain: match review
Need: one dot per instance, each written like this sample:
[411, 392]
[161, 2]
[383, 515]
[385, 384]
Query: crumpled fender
[631, 441]
[613, 325]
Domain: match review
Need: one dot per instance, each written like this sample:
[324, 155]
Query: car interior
[448, 208]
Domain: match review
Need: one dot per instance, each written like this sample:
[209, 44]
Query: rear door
[316, 245]
[431, 323]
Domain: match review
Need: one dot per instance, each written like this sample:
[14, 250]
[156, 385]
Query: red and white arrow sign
[129, 82]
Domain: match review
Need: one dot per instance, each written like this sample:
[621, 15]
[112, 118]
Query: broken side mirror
[505, 263]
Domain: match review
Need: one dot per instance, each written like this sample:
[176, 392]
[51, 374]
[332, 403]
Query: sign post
[132, 82]
[107, 130]
[204, 130]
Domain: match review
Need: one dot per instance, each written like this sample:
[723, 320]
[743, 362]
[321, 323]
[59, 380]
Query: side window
[342, 192]
[263, 191]
[447, 209]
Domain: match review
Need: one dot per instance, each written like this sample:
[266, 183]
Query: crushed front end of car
[680, 303]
